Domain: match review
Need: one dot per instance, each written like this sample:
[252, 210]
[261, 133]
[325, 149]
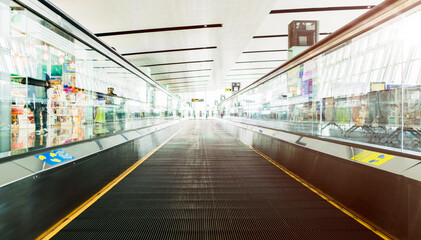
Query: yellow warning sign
[373, 158]
[268, 132]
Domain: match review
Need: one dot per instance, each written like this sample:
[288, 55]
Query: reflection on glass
[367, 90]
[55, 89]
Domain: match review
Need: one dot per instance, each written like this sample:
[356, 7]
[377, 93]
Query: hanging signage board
[235, 86]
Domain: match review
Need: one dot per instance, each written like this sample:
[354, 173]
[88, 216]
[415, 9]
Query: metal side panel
[31, 163]
[82, 150]
[414, 173]
[112, 141]
[9, 171]
[414, 209]
[380, 194]
[413, 178]
[131, 135]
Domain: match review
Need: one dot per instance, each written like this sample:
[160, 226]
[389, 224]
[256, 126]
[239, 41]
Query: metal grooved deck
[204, 184]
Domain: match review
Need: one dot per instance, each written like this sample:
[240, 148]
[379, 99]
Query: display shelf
[65, 107]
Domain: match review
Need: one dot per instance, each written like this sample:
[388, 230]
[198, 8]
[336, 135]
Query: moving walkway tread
[204, 184]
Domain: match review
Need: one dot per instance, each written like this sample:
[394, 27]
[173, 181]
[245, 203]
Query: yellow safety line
[318, 192]
[66, 220]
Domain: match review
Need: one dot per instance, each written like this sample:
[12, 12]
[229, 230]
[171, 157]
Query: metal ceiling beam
[188, 87]
[245, 69]
[267, 51]
[188, 90]
[282, 35]
[165, 79]
[262, 61]
[246, 74]
[153, 30]
[197, 70]
[175, 83]
[322, 9]
[169, 50]
[239, 79]
[175, 63]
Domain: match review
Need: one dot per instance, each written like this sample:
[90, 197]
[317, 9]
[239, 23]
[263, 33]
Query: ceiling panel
[249, 70]
[181, 67]
[263, 56]
[163, 58]
[184, 79]
[164, 40]
[278, 43]
[257, 64]
[179, 64]
[111, 15]
[181, 73]
[240, 20]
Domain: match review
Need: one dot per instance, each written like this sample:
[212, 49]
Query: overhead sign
[373, 158]
[235, 86]
[377, 86]
[197, 100]
[55, 157]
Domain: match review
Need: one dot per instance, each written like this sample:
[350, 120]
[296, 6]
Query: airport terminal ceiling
[196, 46]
